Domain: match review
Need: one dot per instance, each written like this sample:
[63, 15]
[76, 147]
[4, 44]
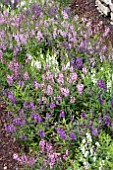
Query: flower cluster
[57, 85]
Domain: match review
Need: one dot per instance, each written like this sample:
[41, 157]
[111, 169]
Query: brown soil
[86, 8]
[8, 144]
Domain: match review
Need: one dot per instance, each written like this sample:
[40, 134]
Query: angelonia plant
[57, 82]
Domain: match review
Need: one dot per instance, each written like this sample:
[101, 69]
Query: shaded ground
[86, 8]
[8, 145]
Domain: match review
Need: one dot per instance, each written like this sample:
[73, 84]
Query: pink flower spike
[26, 76]
[80, 88]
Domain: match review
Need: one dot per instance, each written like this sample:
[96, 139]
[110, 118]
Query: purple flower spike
[79, 63]
[101, 100]
[94, 132]
[10, 128]
[62, 114]
[47, 116]
[31, 105]
[41, 133]
[100, 84]
[17, 121]
[61, 133]
[72, 136]
[52, 106]
[112, 103]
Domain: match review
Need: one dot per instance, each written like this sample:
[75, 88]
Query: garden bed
[57, 84]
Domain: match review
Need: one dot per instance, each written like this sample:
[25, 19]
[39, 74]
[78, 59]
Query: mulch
[86, 8]
[8, 144]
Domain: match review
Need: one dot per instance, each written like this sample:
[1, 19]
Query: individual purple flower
[62, 115]
[24, 158]
[10, 66]
[61, 133]
[52, 106]
[107, 30]
[25, 104]
[42, 145]
[79, 63]
[20, 111]
[101, 100]
[36, 117]
[17, 121]
[4, 92]
[60, 79]
[72, 100]
[39, 35]
[15, 156]
[11, 97]
[112, 103]
[47, 116]
[31, 105]
[73, 77]
[7, 2]
[59, 98]
[52, 11]
[95, 132]
[67, 10]
[36, 8]
[84, 70]
[100, 84]
[72, 136]
[80, 88]
[20, 83]
[66, 45]
[24, 137]
[41, 133]
[106, 120]
[94, 149]
[64, 91]
[49, 90]
[31, 162]
[26, 76]
[83, 115]
[112, 124]
[35, 84]
[72, 63]
[9, 113]
[65, 15]
[63, 67]
[48, 147]
[39, 102]
[10, 79]
[10, 128]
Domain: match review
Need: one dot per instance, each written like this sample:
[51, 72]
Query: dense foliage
[56, 78]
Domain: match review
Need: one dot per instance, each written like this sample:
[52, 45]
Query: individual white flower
[22, 3]
[97, 143]
[88, 137]
[102, 68]
[84, 141]
[109, 84]
[91, 151]
[29, 56]
[86, 154]
[42, 56]
[94, 158]
[86, 165]
[82, 149]
[37, 64]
